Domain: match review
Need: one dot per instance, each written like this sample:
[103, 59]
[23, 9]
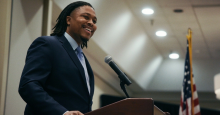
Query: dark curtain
[173, 109]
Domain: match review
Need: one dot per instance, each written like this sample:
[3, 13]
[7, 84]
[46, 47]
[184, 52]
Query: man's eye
[94, 21]
[86, 17]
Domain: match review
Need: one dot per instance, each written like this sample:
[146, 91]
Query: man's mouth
[88, 29]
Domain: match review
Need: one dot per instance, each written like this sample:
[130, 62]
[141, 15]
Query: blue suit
[53, 80]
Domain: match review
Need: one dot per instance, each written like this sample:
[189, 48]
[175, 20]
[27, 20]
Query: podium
[130, 106]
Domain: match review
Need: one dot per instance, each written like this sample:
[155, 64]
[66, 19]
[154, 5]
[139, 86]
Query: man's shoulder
[46, 42]
[48, 39]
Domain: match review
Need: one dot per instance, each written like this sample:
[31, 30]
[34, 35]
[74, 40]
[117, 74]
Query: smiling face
[81, 24]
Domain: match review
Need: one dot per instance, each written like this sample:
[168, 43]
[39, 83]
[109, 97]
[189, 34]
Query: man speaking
[57, 78]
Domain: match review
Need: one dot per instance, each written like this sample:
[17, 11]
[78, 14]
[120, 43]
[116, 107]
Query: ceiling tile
[174, 2]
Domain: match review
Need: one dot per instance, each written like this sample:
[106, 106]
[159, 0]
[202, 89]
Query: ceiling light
[147, 11]
[174, 56]
[161, 33]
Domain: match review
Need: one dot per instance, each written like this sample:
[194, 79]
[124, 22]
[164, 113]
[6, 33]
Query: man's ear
[68, 18]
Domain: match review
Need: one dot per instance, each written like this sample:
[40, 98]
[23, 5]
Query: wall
[120, 34]
[26, 26]
[171, 71]
[5, 17]
[102, 88]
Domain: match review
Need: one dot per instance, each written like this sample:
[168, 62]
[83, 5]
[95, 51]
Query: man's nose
[90, 23]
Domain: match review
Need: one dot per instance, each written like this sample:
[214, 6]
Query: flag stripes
[189, 104]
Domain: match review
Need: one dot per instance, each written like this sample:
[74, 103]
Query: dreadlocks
[61, 25]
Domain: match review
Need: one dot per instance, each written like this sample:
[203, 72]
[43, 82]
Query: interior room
[130, 36]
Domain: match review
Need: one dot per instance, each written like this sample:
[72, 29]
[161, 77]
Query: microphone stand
[122, 84]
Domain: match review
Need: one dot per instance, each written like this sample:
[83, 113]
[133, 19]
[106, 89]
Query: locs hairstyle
[61, 25]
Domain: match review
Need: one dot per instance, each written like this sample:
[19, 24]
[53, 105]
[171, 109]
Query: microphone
[121, 75]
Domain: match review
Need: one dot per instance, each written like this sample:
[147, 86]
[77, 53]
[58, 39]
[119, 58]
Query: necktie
[79, 54]
[82, 60]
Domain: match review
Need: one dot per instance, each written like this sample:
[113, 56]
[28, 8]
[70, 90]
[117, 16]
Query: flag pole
[189, 37]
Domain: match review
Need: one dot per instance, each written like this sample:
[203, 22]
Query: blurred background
[129, 36]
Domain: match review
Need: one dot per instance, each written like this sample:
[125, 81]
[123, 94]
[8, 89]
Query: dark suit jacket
[53, 80]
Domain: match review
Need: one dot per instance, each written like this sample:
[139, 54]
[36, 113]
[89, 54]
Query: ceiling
[202, 16]
[129, 37]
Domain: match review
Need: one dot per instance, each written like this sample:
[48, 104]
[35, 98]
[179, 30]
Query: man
[57, 78]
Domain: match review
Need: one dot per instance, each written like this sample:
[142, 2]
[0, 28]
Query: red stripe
[196, 102]
[187, 108]
[181, 105]
[181, 102]
[194, 87]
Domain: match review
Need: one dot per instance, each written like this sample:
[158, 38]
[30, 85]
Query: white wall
[5, 16]
[26, 26]
[120, 35]
[171, 72]
[101, 88]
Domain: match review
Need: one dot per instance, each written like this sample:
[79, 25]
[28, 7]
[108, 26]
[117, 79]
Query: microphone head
[108, 59]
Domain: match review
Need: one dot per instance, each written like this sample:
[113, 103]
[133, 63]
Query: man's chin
[84, 42]
[84, 39]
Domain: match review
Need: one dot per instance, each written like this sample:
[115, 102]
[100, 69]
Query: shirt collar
[71, 41]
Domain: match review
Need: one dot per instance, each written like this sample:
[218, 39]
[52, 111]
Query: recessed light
[161, 33]
[147, 11]
[178, 10]
[174, 56]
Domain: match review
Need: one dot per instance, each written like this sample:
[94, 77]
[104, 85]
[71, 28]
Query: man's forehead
[84, 9]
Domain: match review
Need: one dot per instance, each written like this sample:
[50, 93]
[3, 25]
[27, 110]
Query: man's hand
[73, 113]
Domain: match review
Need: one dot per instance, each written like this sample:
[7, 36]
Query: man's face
[82, 23]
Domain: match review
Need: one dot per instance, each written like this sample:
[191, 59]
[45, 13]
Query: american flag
[187, 105]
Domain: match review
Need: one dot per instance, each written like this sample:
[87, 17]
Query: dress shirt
[74, 46]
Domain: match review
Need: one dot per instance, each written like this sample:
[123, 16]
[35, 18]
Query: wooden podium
[130, 106]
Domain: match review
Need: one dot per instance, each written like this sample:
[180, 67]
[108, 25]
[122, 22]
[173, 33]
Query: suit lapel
[74, 57]
[91, 77]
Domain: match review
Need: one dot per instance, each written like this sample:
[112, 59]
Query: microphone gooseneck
[114, 66]
[122, 76]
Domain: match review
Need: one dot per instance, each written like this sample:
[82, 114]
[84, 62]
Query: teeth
[88, 29]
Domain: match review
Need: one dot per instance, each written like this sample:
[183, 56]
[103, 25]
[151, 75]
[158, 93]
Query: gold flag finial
[190, 32]
[189, 36]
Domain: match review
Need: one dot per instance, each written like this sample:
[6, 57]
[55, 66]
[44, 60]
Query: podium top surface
[128, 106]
